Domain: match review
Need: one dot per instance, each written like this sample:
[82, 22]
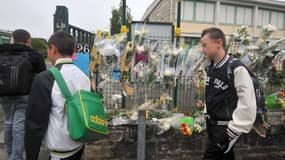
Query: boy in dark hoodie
[18, 65]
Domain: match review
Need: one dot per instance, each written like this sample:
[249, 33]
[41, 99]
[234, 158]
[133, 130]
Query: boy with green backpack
[62, 112]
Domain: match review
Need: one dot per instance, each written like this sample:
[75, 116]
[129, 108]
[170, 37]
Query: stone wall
[121, 144]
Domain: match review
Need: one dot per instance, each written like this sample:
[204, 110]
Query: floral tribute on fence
[139, 65]
[264, 57]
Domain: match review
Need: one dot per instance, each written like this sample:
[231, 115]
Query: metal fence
[159, 39]
[187, 95]
[233, 48]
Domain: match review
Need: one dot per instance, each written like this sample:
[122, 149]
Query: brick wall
[162, 12]
[121, 144]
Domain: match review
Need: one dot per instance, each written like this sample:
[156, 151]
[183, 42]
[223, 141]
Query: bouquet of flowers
[241, 35]
[152, 69]
[192, 61]
[266, 32]
[257, 55]
[190, 124]
[276, 100]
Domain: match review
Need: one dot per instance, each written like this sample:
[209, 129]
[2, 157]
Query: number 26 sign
[82, 48]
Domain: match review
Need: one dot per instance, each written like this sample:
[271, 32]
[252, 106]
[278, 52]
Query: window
[275, 18]
[248, 16]
[244, 16]
[205, 12]
[198, 11]
[223, 14]
[236, 15]
[263, 17]
[187, 10]
[209, 12]
[227, 14]
[280, 21]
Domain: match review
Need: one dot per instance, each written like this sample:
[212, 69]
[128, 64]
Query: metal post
[178, 34]
[175, 90]
[124, 30]
[124, 27]
[124, 8]
[123, 101]
[141, 135]
[73, 33]
[178, 23]
[129, 38]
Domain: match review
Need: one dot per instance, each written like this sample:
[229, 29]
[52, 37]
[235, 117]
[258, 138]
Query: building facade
[225, 14]
[5, 36]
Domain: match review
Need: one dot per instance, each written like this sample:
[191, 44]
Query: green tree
[40, 45]
[116, 19]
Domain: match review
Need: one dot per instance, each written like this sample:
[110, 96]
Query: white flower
[141, 33]
[240, 51]
[243, 27]
[270, 28]
[228, 37]
[144, 33]
[137, 33]
[252, 47]
[116, 97]
[242, 38]
[154, 119]
[197, 128]
[140, 49]
[235, 34]
[167, 73]
[104, 76]
[248, 38]
[174, 52]
[140, 74]
[153, 58]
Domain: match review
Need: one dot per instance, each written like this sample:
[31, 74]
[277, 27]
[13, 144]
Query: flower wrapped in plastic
[241, 35]
[168, 77]
[179, 62]
[146, 72]
[152, 70]
[276, 100]
[190, 124]
[110, 48]
[141, 49]
[257, 55]
[193, 59]
[266, 32]
[187, 125]
[140, 37]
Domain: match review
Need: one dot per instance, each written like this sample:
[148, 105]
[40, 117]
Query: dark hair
[63, 41]
[21, 36]
[215, 33]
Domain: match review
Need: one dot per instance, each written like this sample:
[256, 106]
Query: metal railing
[187, 94]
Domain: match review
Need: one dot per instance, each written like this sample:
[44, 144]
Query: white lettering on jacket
[218, 84]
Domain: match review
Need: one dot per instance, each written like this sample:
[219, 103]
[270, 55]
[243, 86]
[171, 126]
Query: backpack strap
[232, 64]
[60, 81]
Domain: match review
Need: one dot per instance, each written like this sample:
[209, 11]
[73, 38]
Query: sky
[36, 16]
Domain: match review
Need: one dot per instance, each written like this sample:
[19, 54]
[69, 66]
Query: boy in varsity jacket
[46, 118]
[230, 107]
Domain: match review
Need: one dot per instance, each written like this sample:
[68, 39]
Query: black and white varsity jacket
[239, 107]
